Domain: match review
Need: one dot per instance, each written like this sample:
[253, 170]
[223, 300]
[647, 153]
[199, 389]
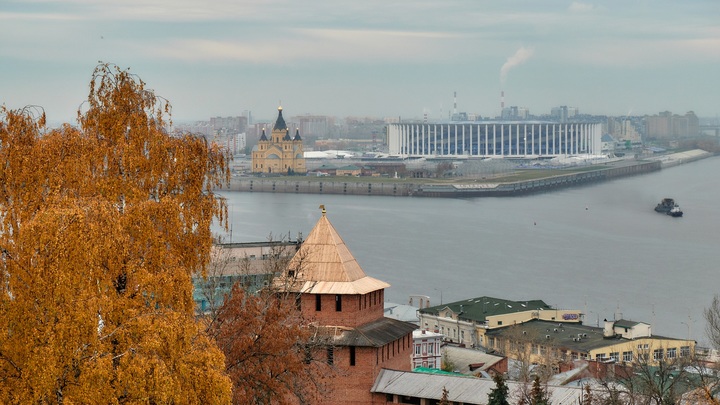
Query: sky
[399, 58]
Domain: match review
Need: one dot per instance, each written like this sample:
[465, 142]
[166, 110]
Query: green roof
[428, 370]
[478, 309]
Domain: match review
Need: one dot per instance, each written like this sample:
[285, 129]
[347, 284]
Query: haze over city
[370, 58]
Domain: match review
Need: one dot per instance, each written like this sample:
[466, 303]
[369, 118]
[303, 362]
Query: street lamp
[689, 326]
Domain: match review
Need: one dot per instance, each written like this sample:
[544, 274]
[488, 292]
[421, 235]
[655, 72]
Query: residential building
[467, 321]
[426, 349]
[668, 125]
[620, 341]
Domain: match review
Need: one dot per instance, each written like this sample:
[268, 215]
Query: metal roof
[324, 265]
[569, 335]
[372, 334]
[467, 390]
[478, 309]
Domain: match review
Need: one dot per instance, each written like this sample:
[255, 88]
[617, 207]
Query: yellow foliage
[101, 229]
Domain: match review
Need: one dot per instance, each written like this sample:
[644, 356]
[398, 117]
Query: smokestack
[502, 100]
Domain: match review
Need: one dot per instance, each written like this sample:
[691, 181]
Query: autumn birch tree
[101, 228]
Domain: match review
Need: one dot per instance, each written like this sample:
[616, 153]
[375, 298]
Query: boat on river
[675, 211]
[665, 205]
[670, 207]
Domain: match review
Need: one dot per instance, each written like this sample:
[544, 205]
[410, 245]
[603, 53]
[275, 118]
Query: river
[600, 248]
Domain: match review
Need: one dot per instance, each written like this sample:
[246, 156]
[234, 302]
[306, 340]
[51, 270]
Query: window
[499, 323]
[417, 349]
[491, 342]
[318, 302]
[628, 356]
[352, 355]
[672, 353]
[600, 356]
[615, 356]
[534, 349]
[338, 303]
[330, 355]
[658, 354]
[430, 348]
[685, 351]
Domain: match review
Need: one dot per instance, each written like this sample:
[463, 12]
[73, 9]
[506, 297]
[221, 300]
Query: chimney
[608, 330]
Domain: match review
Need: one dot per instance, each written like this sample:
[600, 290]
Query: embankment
[465, 188]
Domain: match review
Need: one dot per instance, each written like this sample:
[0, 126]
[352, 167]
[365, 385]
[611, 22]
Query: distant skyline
[368, 58]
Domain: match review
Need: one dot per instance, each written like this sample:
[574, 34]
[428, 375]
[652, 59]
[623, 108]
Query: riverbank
[519, 182]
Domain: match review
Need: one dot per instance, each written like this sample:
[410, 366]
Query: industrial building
[494, 139]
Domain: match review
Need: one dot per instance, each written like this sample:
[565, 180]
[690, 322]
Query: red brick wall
[356, 309]
[352, 384]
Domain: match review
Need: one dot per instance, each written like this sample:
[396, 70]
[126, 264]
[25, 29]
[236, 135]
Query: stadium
[498, 139]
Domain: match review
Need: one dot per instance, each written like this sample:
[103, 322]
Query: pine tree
[538, 396]
[499, 394]
[444, 399]
[101, 228]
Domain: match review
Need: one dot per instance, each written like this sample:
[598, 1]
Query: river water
[599, 248]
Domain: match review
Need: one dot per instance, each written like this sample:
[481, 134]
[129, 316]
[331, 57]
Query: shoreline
[464, 187]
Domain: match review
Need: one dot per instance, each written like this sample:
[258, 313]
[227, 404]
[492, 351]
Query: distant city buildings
[668, 125]
[564, 113]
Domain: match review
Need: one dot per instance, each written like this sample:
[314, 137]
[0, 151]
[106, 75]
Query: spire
[280, 122]
[325, 265]
[297, 135]
[263, 137]
[287, 135]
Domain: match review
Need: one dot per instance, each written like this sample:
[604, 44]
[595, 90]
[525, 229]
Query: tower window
[352, 355]
[318, 302]
[338, 303]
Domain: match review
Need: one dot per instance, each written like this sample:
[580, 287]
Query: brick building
[346, 306]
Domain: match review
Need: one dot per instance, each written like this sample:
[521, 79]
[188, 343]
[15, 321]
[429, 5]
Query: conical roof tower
[325, 265]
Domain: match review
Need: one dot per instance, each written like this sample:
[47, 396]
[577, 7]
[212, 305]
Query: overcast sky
[384, 58]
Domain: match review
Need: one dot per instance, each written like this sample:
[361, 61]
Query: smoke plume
[520, 56]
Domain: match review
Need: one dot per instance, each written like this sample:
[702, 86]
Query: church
[281, 154]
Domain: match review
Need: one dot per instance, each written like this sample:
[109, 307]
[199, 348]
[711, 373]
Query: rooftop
[466, 390]
[478, 309]
[324, 265]
[373, 334]
[573, 336]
